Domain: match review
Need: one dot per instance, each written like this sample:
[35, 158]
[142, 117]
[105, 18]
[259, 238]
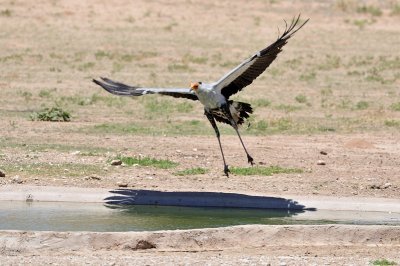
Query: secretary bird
[215, 96]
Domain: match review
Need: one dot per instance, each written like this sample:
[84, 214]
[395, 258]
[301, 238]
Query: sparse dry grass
[264, 171]
[147, 161]
[328, 79]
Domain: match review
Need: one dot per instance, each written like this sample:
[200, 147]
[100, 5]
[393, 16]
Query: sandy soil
[248, 245]
[362, 165]
[343, 63]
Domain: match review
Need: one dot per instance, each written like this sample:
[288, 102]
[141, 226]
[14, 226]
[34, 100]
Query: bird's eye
[199, 82]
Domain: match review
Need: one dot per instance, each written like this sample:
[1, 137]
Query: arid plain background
[335, 88]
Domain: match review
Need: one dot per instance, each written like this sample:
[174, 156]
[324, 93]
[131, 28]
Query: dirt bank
[233, 245]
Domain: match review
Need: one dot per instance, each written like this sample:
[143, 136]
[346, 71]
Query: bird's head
[194, 86]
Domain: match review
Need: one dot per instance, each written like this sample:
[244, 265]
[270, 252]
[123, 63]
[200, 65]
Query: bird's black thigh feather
[210, 118]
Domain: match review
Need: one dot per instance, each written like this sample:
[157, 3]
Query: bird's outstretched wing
[244, 74]
[125, 90]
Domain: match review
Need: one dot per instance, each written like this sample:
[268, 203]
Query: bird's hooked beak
[194, 86]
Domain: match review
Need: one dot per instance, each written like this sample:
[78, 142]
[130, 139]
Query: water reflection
[170, 217]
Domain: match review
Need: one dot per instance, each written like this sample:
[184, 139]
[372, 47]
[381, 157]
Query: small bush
[5, 13]
[362, 105]
[45, 94]
[54, 114]
[395, 106]
[361, 23]
[301, 98]
[383, 262]
[392, 123]
[372, 10]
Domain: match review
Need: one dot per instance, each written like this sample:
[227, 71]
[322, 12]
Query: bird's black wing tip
[291, 29]
[294, 23]
[98, 82]
[117, 88]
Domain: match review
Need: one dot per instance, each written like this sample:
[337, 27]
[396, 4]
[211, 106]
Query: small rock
[29, 198]
[387, 185]
[143, 244]
[122, 184]
[116, 162]
[321, 162]
[323, 152]
[17, 180]
[94, 177]
[194, 149]
[374, 186]
[2, 173]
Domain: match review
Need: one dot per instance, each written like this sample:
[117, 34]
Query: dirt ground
[329, 105]
[258, 245]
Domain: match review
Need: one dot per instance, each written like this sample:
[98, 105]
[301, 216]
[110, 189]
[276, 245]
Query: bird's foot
[226, 170]
[250, 159]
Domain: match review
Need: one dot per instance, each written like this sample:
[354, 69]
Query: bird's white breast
[210, 97]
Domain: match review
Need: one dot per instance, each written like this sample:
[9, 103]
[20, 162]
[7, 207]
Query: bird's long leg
[210, 118]
[226, 110]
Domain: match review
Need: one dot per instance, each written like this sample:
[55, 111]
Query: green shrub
[54, 114]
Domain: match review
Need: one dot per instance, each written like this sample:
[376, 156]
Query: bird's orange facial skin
[194, 86]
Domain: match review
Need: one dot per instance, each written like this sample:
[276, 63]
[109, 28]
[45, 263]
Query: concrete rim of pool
[195, 199]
